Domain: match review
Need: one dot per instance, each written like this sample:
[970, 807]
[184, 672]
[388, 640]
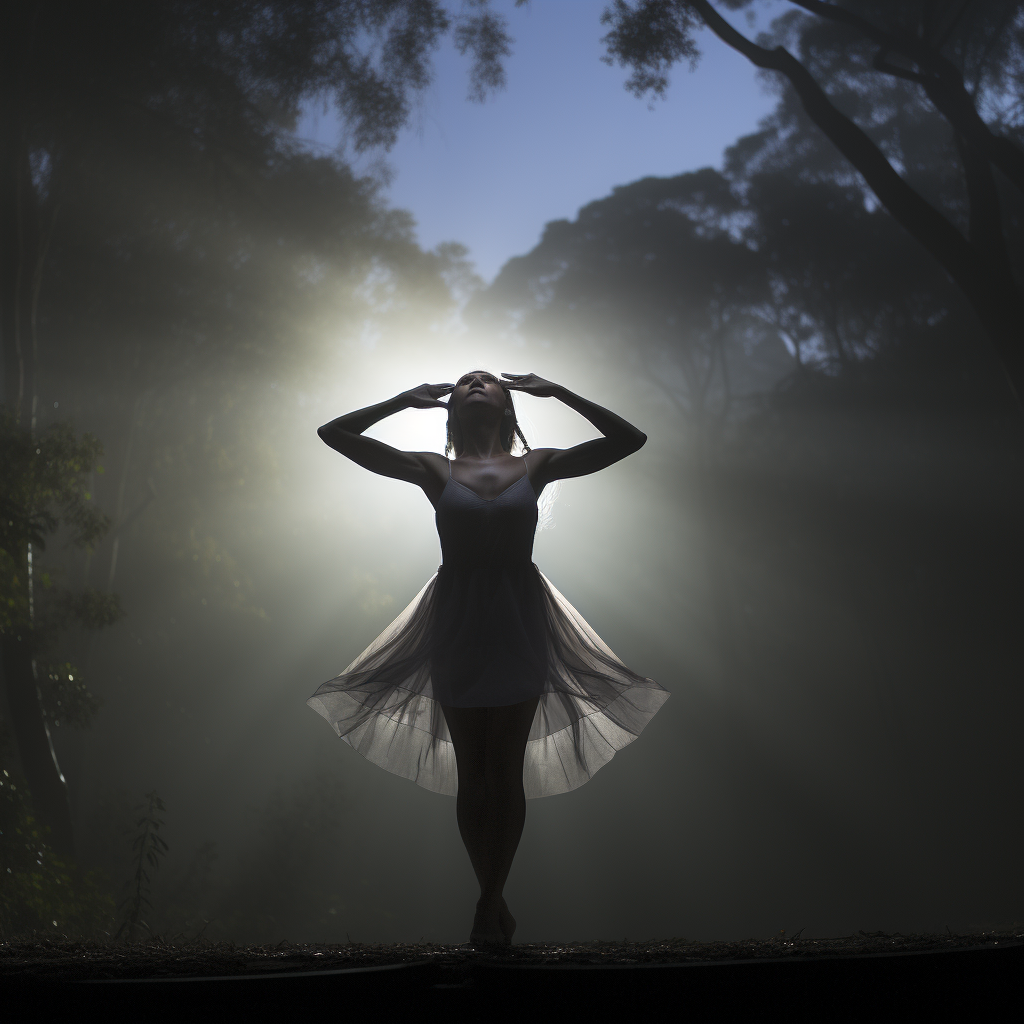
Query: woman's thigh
[468, 728]
[507, 732]
[490, 743]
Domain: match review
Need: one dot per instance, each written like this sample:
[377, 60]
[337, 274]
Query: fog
[817, 552]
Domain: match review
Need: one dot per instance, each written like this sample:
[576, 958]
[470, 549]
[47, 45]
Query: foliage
[657, 268]
[188, 330]
[40, 891]
[47, 491]
[719, 287]
[857, 64]
[213, 72]
[983, 42]
[66, 700]
[205, 277]
[46, 487]
[715, 291]
[186, 253]
[175, 256]
[650, 37]
[148, 848]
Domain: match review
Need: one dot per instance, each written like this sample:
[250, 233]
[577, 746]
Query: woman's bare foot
[487, 930]
[506, 920]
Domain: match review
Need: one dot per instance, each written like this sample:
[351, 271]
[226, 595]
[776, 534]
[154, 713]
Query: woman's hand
[531, 384]
[426, 396]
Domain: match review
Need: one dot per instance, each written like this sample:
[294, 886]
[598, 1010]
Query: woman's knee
[503, 775]
[490, 747]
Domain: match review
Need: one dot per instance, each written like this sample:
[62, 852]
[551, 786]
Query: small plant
[41, 892]
[148, 847]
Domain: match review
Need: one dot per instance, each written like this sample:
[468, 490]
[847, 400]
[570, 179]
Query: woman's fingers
[529, 383]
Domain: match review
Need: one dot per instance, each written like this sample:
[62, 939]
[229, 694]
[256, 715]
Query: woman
[490, 686]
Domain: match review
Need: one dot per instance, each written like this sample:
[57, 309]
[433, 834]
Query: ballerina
[489, 686]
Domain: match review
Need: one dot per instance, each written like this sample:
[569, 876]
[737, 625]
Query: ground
[65, 959]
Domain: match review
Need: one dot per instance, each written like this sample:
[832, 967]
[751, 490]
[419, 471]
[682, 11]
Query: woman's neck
[480, 448]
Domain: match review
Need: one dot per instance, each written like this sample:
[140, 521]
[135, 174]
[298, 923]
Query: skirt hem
[590, 706]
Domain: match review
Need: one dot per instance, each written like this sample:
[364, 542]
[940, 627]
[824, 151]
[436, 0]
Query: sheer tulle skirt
[387, 703]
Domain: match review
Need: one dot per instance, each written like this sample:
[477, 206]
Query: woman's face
[479, 388]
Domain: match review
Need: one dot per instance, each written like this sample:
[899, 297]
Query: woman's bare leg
[468, 728]
[491, 802]
[508, 729]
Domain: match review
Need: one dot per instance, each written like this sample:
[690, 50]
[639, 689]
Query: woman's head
[480, 401]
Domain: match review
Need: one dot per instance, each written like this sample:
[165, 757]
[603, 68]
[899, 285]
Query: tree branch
[918, 216]
[879, 64]
[845, 17]
[998, 307]
[941, 79]
[985, 229]
[954, 102]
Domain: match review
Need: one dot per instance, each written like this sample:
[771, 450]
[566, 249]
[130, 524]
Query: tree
[87, 85]
[657, 270]
[963, 57]
[41, 890]
[201, 98]
[45, 489]
[703, 281]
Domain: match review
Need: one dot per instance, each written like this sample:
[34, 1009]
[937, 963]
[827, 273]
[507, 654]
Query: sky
[563, 132]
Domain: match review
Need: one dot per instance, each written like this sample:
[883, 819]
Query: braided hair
[509, 428]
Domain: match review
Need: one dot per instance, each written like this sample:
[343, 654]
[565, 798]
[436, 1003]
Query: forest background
[818, 551]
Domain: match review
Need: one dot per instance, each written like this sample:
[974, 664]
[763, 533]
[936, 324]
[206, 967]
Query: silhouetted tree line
[804, 238]
[867, 74]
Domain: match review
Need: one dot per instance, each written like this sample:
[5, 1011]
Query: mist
[818, 550]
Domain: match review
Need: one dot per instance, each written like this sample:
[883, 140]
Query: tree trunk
[11, 262]
[50, 803]
[18, 286]
[994, 295]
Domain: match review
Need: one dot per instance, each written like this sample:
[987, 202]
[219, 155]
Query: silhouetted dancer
[489, 686]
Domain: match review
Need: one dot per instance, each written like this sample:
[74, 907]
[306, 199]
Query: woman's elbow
[326, 434]
[639, 441]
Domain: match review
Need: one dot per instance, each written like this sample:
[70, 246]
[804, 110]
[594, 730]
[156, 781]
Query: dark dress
[488, 629]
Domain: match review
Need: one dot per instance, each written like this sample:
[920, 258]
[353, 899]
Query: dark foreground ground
[874, 977]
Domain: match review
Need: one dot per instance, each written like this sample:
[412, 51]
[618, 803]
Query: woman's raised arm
[345, 435]
[620, 439]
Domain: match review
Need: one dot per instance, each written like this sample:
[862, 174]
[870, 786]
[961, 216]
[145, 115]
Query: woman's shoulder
[435, 463]
[537, 458]
[431, 458]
